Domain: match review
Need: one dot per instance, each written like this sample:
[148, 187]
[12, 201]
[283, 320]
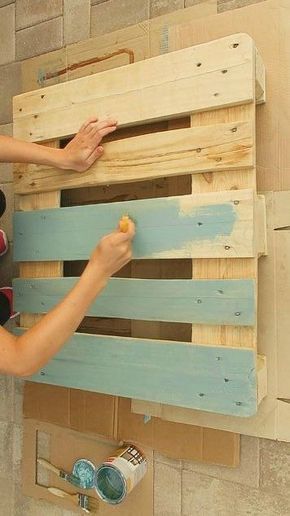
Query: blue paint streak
[72, 233]
[181, 374]
[226, 302]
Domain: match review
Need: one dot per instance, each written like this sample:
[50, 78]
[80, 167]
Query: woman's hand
[84, 149]
[113, 251]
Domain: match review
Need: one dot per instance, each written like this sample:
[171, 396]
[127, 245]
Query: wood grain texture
[215, 379]
[38, 269]
[201, 301]
[201, 225]
[216, 268]
[216, 74]
[172, 153]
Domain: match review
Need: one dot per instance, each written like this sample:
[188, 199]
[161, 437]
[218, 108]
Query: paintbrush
[85, 502]
[68, 477]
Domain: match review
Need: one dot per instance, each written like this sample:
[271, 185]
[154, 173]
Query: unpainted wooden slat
[216, 74]
[150, 156]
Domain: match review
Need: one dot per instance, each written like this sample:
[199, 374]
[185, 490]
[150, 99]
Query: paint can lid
[84, 470]
[110, 484]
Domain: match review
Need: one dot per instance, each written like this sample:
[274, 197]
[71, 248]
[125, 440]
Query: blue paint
[72, 233]
[84, 470]
[222, 302]
[215, 379]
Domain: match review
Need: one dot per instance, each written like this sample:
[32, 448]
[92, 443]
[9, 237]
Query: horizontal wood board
[216, 379]
[227, 146]
[216, 74]
[201, 301]
[204, 225]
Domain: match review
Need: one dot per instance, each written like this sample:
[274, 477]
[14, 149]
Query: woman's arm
[24, 355]
[79, 154]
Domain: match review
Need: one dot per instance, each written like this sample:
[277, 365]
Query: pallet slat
[150, 156]
[204, 225]
[230, 302]
[216, 379]
[215, 74]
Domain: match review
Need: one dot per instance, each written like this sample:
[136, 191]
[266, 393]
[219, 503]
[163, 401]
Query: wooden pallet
[220, 225]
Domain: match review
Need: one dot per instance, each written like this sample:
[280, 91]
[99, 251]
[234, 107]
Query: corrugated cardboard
[111, 417]
[64, 447]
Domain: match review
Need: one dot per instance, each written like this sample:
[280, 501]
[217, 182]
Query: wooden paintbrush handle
[49, 466]
[60, 493]
[74, 498]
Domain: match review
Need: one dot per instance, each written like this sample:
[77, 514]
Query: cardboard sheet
[63, 448]
[111, 418]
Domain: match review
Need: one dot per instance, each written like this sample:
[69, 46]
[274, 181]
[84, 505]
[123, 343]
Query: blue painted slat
[225, 302]
[166, 228]
[215, 379]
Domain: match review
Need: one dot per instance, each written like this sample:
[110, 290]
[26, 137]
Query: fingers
[93, 123]
[96, 154]
[107, 123]
[131, 231]
[100, 133]
[90, 120]
[129, 234]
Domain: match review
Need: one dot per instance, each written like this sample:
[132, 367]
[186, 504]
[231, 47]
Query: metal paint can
[120, 473]
[84, 470]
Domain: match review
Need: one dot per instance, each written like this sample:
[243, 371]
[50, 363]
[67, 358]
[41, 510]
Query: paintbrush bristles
[93, 505]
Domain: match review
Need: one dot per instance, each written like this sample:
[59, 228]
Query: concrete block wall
[260, 485]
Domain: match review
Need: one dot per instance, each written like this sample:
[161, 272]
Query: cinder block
[160, 7]
[6, 399]
[226, 5]
[209, 496]
[6, 169]
[275, 467]
[95, 2]
[17, 453]
[190, 3]
[6, 449]
[39, 39]
[32, 12]
[167, 490]
[7, 34]
[116, 14]
[10, 85]
[6, 2]
[247, 473]
[77, 20]
[6, 497]
[18, 385]
[6, 130]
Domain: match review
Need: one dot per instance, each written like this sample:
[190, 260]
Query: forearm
[17, 151]
[44, 340]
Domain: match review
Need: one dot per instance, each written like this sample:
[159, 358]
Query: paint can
[84, 470]
[120, 473]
